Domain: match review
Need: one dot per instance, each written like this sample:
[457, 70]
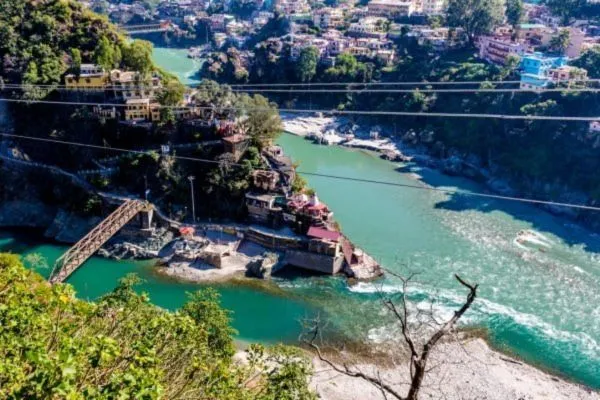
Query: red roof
[321, 233]
[186, 230]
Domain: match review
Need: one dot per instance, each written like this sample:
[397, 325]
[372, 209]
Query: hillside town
[537, 43]
[402, 190]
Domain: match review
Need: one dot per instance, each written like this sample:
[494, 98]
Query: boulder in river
[263, 267]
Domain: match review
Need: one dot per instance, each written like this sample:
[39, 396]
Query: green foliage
[203, 307]
[434, 21]
[137, 56]
[261, 119]
[93, 205]
[106, 54]
[565, 9]
[306, 68]
[515, 12]
[226, 67]
[76, 61]
[476, 17]
[590, 61]
[561, 41]
[172, 93]
[277, 26]
[37, 36]
[53, 346]
[349, 69]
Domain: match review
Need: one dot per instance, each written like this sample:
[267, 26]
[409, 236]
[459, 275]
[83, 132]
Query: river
[540, 305]
[540, 301]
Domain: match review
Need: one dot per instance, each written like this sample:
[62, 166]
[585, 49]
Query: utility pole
[191, 179]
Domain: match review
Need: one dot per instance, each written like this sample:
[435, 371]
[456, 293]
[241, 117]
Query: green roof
[531, 26]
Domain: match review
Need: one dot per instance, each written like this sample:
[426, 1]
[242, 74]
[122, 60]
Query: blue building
[535, 70]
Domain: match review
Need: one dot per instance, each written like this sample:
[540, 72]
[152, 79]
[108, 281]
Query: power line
[327, 176]
[330, 111]
[325, 91]
[494, 90]
[400, 83]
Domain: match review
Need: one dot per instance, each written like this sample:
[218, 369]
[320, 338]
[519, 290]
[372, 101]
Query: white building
[432, 7]
[328, 17]
[390, 8]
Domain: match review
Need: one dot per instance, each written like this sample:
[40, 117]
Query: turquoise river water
[540, 301]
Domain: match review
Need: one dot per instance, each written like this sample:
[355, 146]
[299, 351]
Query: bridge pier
[146, 217]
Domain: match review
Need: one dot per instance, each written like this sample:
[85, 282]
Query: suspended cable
[324, 91]
[326, 111]
[326, 176]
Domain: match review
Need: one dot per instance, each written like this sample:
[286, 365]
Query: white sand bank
[470, 371]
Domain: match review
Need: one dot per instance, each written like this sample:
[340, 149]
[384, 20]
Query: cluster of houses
[271, 202]
[541, 64]
[530, 43]
[137, 92]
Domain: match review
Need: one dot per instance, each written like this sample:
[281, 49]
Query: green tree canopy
[306, 68]
[590, 60]
[260, 119]
[515, 12]
[137, 56]
[107, 55]
[565, 9]
[561, 41]
[54, 346]
[476, 17]
[76, 61]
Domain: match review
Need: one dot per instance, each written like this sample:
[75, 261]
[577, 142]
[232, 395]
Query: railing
[86, 247]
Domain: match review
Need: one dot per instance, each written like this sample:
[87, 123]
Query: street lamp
[191, 179]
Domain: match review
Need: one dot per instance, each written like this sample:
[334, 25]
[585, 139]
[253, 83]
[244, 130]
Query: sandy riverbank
[198, 271]
[304, 126]
[466, 370]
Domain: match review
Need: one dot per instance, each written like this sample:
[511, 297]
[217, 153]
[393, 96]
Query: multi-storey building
[141, 109]
[328, 17]
[133, 85]
[538, 71]
[497, 49]
[431, 7]
[368, 27]
[90, 77]
[390, 8]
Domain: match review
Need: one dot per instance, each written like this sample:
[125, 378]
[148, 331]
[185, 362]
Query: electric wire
[328, 111]
[325, 176]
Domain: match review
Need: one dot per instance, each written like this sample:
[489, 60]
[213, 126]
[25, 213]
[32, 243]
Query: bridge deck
[86, 247]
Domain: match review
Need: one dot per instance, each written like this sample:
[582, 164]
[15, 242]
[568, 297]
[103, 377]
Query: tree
[561, 41]
[420, 347]
[590, 61]
[514, 12]
[511, 64]
[476, 17]
[137, 56]
[565, 9]
[122, 346]
[434, 21]
[203, 307]
[105, 54]
[172, 93]
[306, 68]
[76, 62]
[260, 119]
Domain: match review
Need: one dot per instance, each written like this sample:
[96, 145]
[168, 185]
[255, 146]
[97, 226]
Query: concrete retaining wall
[314, 262]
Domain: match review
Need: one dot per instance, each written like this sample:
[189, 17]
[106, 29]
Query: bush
[53, 345]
